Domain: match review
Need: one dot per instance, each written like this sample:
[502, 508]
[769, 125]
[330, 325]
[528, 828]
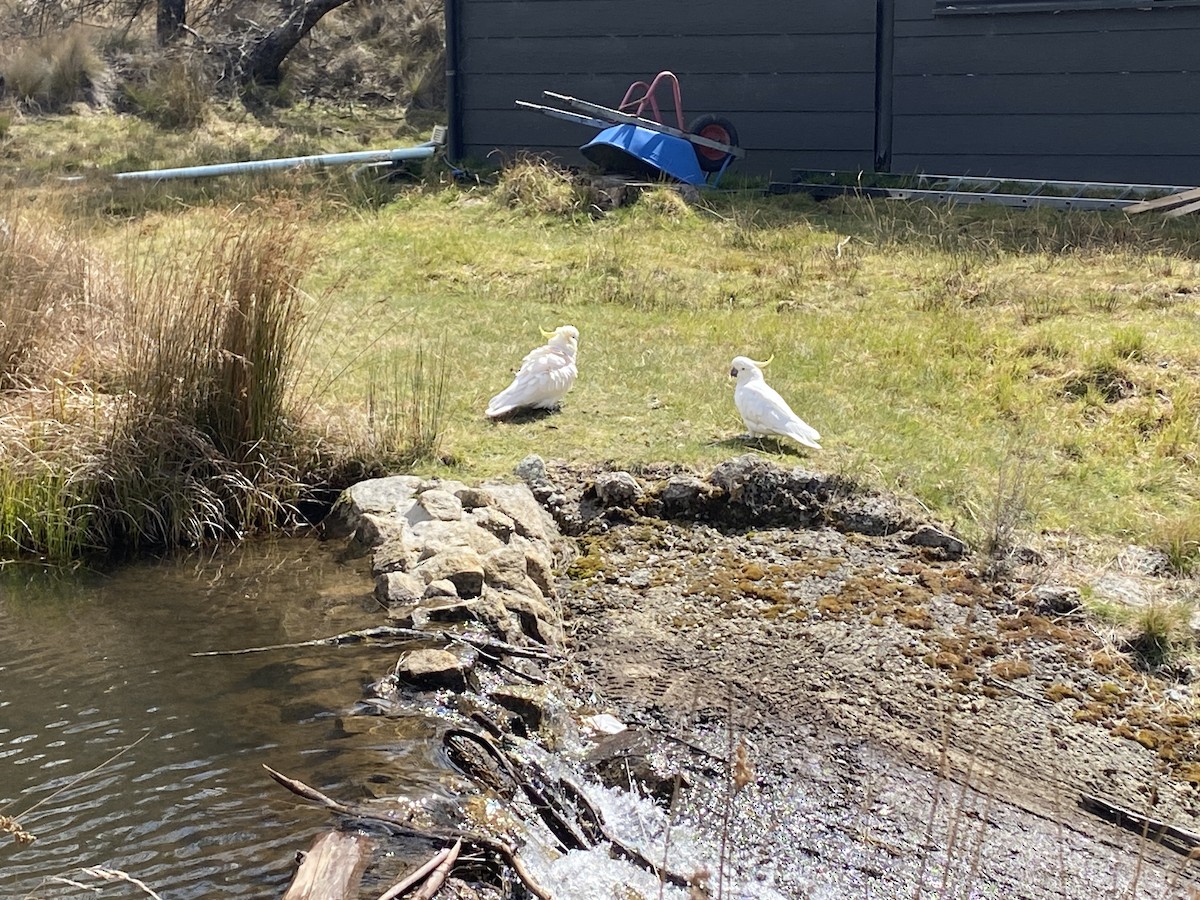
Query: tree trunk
[172, 14]
[261, 65]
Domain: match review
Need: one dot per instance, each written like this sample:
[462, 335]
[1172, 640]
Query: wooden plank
[919, 14]
[332, 868]
[1118, 134]
[644, 56]
[1184, 210]
[1171, 200]
[1051, 92]
[1079, 53]
[768, 163]
[756, 131]
[701, 92]
[568, 18]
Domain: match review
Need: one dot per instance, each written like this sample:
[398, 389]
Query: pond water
[93, 663]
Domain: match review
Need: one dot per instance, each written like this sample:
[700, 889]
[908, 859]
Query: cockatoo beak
[763, 365]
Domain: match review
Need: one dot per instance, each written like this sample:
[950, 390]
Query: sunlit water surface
[91, 664]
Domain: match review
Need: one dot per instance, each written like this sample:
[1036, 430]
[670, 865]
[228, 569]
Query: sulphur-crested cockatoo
[763, 410]
[545, 376]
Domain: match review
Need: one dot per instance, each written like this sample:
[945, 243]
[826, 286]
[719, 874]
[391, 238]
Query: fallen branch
[394, 633]
[416, 875]
[438, 878]
[499, 847]
[1171, 836]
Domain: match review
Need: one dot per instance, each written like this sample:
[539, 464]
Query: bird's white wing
[765, 412]
[545, 376]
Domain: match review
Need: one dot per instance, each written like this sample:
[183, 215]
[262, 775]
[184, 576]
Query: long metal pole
[421, 151]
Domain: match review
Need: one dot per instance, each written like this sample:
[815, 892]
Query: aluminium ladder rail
[1014, 192]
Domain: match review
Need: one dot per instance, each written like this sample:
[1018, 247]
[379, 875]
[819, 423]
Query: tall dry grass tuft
[42, 279]
[56, 71]
[200, 446]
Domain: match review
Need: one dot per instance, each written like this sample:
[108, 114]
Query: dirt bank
[912, 726]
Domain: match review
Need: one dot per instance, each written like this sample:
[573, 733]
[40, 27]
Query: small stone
[460, 565]
[685, 496]
[1056, 599]
[395, 588]
[441, 505]
[617, 489]
[433, 669]
[928, 536]
[1145, 561]
[537, 619]
[494, 522]
[505, 568]
[443, 587]
[531, 470]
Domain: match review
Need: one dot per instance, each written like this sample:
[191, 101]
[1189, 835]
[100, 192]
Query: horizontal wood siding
[1103, 95]
[796, 81]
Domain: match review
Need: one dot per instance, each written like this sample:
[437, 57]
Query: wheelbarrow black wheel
[715, 128]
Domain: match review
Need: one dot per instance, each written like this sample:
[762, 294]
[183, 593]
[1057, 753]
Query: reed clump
[195, 432]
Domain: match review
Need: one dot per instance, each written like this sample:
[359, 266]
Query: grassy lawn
[942, 354]
[956, 356]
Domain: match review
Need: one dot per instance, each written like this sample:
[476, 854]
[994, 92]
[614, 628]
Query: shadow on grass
[763, 445]
[525, 416]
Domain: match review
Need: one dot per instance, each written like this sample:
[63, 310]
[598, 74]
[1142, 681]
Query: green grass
[938, 351]
[928, 399]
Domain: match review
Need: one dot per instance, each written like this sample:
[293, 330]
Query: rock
[1148, 561]
[539, 710]
[505, 568]
[539, 565]
[395, 588]
[528, 701]
[436, 612]
[374, 530]
[685, 496]
[1056, 599]
[460, 565]
[395, 554]
[375, 496]
[628, 760]
[928, 536]
[537, 619]
[441, 505]
[436, 536]
[433, 669]
[874, 515]
[531, 470]
[443, 587]
[494, 522]
[616, 489]
[517, 502]
[759, 492]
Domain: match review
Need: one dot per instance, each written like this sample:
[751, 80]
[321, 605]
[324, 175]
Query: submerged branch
[394, 632]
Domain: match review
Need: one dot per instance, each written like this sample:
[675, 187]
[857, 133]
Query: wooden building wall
[1093, 95]
[796, 79]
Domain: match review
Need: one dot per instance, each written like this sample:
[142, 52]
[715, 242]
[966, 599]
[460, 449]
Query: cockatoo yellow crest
[763, 410]
[545, 376]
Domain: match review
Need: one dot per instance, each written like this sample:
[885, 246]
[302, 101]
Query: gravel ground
[913, 728]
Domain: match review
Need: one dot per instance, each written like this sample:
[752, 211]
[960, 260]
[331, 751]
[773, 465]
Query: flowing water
[93, 663]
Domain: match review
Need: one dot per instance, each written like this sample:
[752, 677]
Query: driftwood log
[332, 868]
[369, 820]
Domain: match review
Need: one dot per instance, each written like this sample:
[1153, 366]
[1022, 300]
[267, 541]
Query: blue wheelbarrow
[630, 142]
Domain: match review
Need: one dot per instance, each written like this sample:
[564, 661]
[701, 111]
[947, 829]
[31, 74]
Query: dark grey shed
[1088, 90]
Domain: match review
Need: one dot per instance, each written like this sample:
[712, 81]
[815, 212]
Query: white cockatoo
[545, 376]
[762, 409]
